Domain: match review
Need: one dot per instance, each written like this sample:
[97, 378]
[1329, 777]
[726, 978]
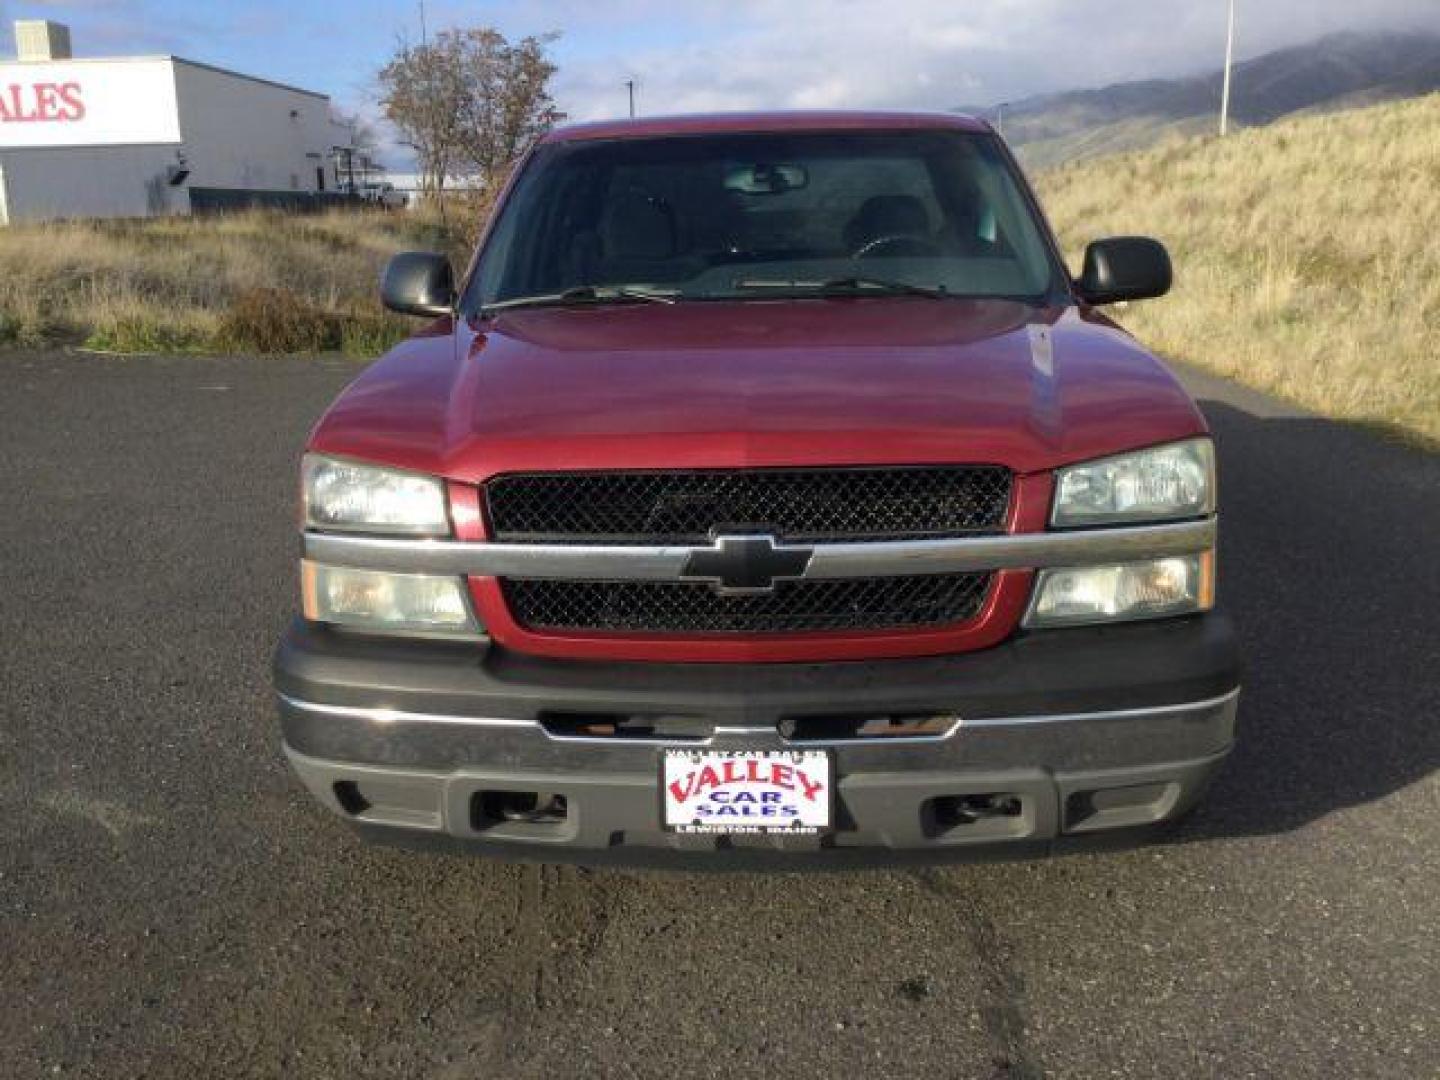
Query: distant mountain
[1336, 72]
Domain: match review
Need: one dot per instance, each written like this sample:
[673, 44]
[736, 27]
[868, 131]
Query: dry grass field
[1307, 261]
[244, 282]
[1307, 255]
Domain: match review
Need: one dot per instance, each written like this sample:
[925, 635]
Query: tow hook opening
[955, 811]
[347, 794]
[542, 808]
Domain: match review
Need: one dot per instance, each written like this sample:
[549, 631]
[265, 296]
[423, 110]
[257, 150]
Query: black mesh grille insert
[688, 607]
[797, 505]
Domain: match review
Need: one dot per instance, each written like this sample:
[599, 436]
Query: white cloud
[938, 54]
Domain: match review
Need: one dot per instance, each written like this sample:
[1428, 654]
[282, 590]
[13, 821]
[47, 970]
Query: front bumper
[1088, 730]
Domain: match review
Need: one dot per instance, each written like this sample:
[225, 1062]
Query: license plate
[740, 791]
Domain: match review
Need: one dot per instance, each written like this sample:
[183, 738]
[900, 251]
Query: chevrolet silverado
[765, 493]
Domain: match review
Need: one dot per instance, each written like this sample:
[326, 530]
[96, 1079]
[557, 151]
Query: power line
[1229, 57]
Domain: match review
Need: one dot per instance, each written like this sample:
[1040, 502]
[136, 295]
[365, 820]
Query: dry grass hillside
[1307, 255]
[245, 282]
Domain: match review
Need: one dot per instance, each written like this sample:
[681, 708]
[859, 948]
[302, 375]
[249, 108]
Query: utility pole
[1000, 118]
[1229, 58]
[630, 85]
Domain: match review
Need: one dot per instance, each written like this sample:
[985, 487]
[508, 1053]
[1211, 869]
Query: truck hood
[883, 380]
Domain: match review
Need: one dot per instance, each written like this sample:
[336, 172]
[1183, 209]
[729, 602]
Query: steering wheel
[897, 244]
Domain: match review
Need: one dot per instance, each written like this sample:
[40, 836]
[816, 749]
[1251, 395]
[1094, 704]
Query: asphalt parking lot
[172, 904]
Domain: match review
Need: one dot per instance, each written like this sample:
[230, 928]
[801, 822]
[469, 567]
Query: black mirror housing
[1125, 268]
[418, 283]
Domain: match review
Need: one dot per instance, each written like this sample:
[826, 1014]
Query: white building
[139, 136]
[412, 185]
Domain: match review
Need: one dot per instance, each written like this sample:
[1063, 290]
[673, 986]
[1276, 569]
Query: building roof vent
[41, 39]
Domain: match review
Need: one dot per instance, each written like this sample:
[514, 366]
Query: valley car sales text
[723, 795]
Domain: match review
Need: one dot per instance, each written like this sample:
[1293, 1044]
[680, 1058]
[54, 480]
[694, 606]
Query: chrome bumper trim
[1111, 714]
[722, 732]
[725, 733]
[1019, 551]
[400, 716]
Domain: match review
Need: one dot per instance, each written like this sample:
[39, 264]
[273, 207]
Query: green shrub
[144, 334]
[39, 327]
[273, 321]
[370, 333]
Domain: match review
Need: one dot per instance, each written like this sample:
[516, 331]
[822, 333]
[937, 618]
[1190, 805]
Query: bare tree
[468, 101]
[423, 96]
[508, 100]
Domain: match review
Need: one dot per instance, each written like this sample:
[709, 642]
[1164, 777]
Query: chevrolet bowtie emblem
[746, 564]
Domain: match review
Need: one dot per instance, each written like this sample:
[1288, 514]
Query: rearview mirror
[1124, 268]
[763, 178]
[418, 283]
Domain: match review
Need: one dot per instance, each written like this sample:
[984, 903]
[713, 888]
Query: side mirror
[1125, 268]
[418, 283]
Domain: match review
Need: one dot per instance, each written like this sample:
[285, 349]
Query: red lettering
[70, 94]
[683, 791]
[809, 787]
[745, 770]
[41, 102]
[47, 102]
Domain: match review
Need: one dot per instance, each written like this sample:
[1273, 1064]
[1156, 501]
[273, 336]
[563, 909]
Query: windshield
[765, 215]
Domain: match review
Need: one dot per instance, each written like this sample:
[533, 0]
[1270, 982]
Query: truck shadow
[1330, 567]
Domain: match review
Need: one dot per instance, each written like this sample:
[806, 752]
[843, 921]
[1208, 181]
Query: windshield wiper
[847, 286]
[589, 294]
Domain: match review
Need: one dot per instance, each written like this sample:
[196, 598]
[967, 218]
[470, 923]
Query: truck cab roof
[794, 120]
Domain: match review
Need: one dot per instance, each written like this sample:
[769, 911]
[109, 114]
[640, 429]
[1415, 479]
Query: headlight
[388, 603]
[1160, 484]
[364, 498]
[1120, 592]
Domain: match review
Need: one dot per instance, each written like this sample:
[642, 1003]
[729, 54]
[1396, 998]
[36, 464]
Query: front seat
[638, 239]
[886, 215]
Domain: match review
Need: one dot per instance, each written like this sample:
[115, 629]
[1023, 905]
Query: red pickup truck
[765, 494]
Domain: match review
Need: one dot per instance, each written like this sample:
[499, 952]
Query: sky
[696, 55]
